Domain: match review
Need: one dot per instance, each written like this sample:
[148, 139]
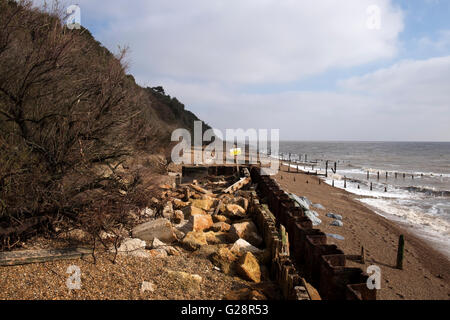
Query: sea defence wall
[322, 264]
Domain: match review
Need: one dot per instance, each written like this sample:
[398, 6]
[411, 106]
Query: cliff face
[68, 108]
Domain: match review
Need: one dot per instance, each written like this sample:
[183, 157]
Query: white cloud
[244, 41]
[407, 101]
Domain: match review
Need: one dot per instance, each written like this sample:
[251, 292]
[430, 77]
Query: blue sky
[280, 63]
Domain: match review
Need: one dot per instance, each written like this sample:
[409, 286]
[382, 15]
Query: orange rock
[248, 268]
[201, 222]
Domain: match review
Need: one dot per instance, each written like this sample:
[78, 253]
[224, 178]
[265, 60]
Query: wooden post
[289, 163]
[378, 175]
[387, 175]
[297, 168]
[404, 175]
[335, 167]
[345, 182]
[401, 252]
[371, 186]
[333, 183]
[306, 158]
[385, 189]
[396, 174]
[363, 255]
[326, 169]
[368, 175]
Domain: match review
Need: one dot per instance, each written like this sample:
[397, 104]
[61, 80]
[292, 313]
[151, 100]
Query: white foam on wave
[428, 226]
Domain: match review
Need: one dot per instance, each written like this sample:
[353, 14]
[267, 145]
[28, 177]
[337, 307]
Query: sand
[426, 273]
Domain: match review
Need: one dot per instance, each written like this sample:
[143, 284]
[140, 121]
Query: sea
[417, 198]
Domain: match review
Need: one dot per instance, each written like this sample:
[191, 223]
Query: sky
[366, 70]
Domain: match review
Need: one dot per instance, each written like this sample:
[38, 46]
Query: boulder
[178, 216]
[201, 222]
[216, 237]
[311, 216]
[220, 218]
[337, 223]
[179, 204]
[248, 268]
[242, 202]
[156, 243]
[132, 247]
[192, 210]
[221, 227]
[168, 211]
[334, 216]
[194, 240]
[301, 201]
[318, 206]
[159, 228]
[224, 259]
[242, 246]
[247, 231]
[204, 204]
[235, 210]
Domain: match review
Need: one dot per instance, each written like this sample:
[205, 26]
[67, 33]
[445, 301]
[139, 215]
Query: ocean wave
[428, 191]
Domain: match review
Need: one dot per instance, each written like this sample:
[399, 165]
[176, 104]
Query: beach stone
[168, 211]
[311, 216]
[247, 231]
[159, 228]
[242, 246]
[132, 247]
[248, 268]
[221, 218]
[221, 227]
[216, 237]
[337, 223]
[156, 243]
[335, 236]
[224, 259]
[130, 244]
[235, 210]
[318, 206]
[179, 204]
[147, 286]
[178, 216]
[192, 210]
[158, 253]
[201, 222]
[194, 240]
[204, 204]
[242, 202]
[334, 216]
[302, 201]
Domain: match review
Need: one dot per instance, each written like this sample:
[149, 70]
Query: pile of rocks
[195, 216]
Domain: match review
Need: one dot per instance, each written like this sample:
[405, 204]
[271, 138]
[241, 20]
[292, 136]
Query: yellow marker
[235, 152]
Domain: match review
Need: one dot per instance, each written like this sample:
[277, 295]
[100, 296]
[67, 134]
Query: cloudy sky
[316, 70]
